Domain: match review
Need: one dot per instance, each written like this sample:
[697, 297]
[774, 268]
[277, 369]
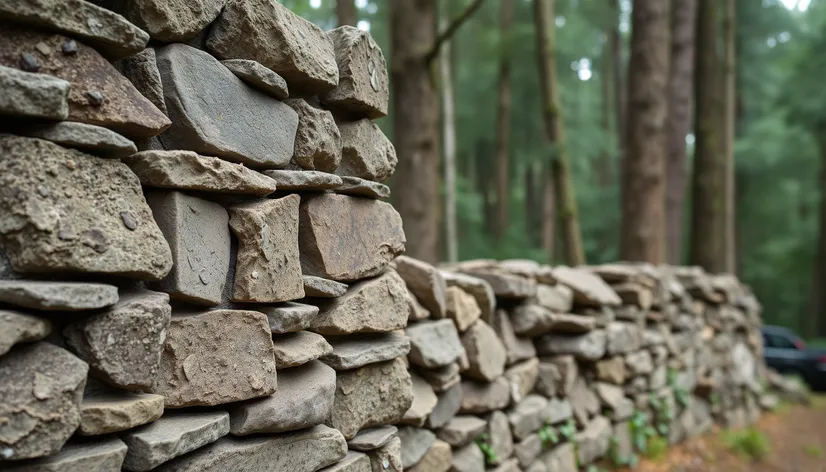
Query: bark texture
[449, 145]
[730, 117]
[346, 12]
[503, 118]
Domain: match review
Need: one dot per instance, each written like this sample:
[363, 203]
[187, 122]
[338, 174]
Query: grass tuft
[813, 450]
[749, 443]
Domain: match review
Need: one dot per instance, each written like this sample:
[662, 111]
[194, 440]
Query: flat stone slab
[505, 285]
[557, 298]
[371, 306]
[479, 288]
[323, 288]
[369, 439]
[352, 462]
[485, 352]
[118, 411]
[436, 459]
[590, 346]
[259, 77]
[424, 400]
[187, 170]
[522, 377]
[388, 457]
[426, 283]
[534, 320]
[365, 151]
[142, 70]
[363, 87]
[60, 296]
[106, 455]
[442, 378]
[588, 288]
[462, 308]
[85, 137]
[469, 458]
[303, 180]
[318, 140]
[528, 416]
[351, 352]
[450, 400]
[362, 188]
[295, 349]
[288, 317]
[171, 436]
[21, 328]
[434, 343]
[517, 348]
[33, 95]
[415, 443]
[462, 430]
[169, 21]
[480, 397]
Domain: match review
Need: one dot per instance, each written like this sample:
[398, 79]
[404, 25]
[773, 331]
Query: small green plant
[483, 442]
[657, 446]
[618, 459]
[568, 430]
[680, 393]
[548, 436]
[813, 450]
[749, 443]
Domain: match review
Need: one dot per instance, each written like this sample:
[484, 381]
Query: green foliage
[749, 443]
[548, 436]
[657, 447]
[813, 450]
[618, 459]
[568, 430]
[487, 450]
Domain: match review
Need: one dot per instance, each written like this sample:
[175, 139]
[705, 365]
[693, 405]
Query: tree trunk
[605, 172]
[642, 236]
[563, 190]
[503, 118]
[532, 206]
[548, 213]
[620, 105]
[415, 125]
[730, 117]
[346, 12]
[817, 314]
[683, 18]
[707, 232]
[449, 143]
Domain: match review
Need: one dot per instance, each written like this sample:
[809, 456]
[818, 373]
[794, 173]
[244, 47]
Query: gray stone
[303, 180]
[559, 411]
[614, 398]
[363, 87]
[425, 282]
[436, 459]
[105, 455]
[323, 288]
[534, 320]
[351, 352]
[527, 450]
[517, 348]
[117, 411]
[171, 436]
[187, 170]
[371, 306]
[462, 308]
[259, 77]
[475, 286]
[304, 398]
[279, 39]
[362, 188]
[33, 95]
[622, 338]
[43, 231]
[142, 70]
[166, 21]
[468, 459]
[415, 443]
[387, 458]
[295, 349]
[365, 151]
[528, 416]
[424, 400]
[485, 352]
[197, 231]
[557, 298]
[442, 378]
[346, 249]
[434, 343]
[268, 267]
[590, 346]
[40, 399]
[484, 397]
[60, 296]
[622, 442]
[508, 286]
[194, 368]
[123, 344]
[18, 327]
[499, 434]
[372, 438]
[462, 430]
[449, 402]
[593, 442]
[372, 395]
[88, 138]
[96, 26]
[288, 317]
[588, 288]
[352, 462]
[639, 363]
[522, 378]
[302, 451]
[584, 402]
[318, 140]
[568, 372]
[561, 459]
[548, 379]
[255, 129]
[509, 465]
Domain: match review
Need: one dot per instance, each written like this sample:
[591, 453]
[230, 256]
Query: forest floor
[795, 437]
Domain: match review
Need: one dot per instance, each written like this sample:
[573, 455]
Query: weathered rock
[558, 298]
[462, 308]
[509, 465]
[527, 450]
[622, 442]
[372, 438]
[371, 306]
[590, 346]
[194, 370]
[346, 249]
[449, 402]
[187, 170]
[415, 443]
[622, 337]
[198, 234]
[88, 138]
[168, 21]
[363, 85]
[522, 378]
[614, 398]
[517, 348]
[561, 459]
[295, 349]
[60, 296]
[434, 343]
[475, 286]
[118, 411]
[485, 352]
[499, 434]
[593, 442]
[288, 317]
[40, 399]
[80, 457]
[534, 320]
[268, 267]
[442, 378]
[462, 430]
[304, 398]
[259, 77]
[425, 282]
[372, 395]
[559, 410]
[611, 370]
[318, 140]
[301, 451]
[424, 400]
[279, 39]
[568, 372]
[99, 27]
[584, 402]
[436, 459]
[484, 397]
[639, 363]
[18, 327]
[106, 227]
[528, 416]
[635, 294]
[142, 70]
[362, 188]
[365, 151]
[387, 458]
[303, 181]
[351, 352]
[98, 93]
[171, 436]
[323, 288]
[468, 459]
[123, 344]
[256, 130]
[352, 462]
[588, 288]
[548, 379]
[33, 95]
[512, 287]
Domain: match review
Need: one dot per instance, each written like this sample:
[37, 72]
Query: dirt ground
[796, 438]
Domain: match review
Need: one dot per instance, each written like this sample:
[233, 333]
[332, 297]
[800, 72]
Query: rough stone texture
[167, 21]
[267, 269]
[187, 170]
[372, 306]
[302, 451]
[522, 378]
[40, 399]
[318, 140]
[588, 288]
[118, 411]
[105, 455]
[123, 344]
[363, 87]
[259, 77]
[565, 372]
[304, 398]
[424, 400]
[59, 296]
[434, 343]
[417, 311]
[559, 410]
[33, 95]
[436, 459]
[485, 352]
[528, 416]
[534, 320]
[362, 188]
[323, 288]
[475, 286]
[88, 138]
[369, 439]
[123, 108]
[449, 402]
[584, 402]
[622, 338]
[295, 349]
[142, 70]
[288, 317]
[561, 459]
[171, 436]
[508, 286]
[198, 235]
[269, 33]
[346, 249]
[352, 462]
[462, 430]
[372, 395]
[387, 458]
[256, 130]
[425, 282]
[365, 151]
[499, 434]
[351, 352]
[468, 459]
[43, 231]
[415, 444]
[590, 346]
[462, 308]
[639, 363]
[303, 181]
[18, 327]
[484, 397]
[441, 378]
[194, 370]
[558, 298]
[593, 442]
[611, 370]
[517, 348]
[527, 450]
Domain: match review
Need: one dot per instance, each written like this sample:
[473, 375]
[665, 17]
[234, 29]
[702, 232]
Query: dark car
[787, 353]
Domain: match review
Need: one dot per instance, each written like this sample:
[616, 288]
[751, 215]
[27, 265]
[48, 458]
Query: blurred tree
[729, 127]
[503, 123]
[346, 12]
